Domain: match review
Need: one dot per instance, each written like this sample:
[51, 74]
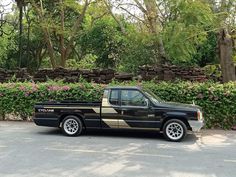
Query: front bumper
[196, 125]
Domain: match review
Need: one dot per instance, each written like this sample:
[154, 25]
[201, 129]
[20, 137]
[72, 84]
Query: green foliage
[3, 49]
[105, 41]
[7, 44]
[139, 50]
[88, 62]
[19, 98]
[46, 63]
[206, 53]
[113, 49]
[186, 29]
[217, 100]
[213, 70]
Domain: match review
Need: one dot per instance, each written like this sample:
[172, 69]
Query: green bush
[217, 100]
[19, 98]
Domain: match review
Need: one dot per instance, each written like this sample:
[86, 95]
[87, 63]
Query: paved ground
[28, 150]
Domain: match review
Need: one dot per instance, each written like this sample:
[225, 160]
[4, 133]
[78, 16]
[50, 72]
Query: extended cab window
[114, 97]
[132, 98]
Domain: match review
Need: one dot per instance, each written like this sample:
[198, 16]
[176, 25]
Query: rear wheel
[72, 126]
[174, 130]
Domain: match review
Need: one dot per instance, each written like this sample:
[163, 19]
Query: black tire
[72, 126]
[174, 130]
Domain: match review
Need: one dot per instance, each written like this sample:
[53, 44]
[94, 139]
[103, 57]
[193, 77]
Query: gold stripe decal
[97, 110]
[109, 110]
[123, 124]
[112, 123]
[105, 102]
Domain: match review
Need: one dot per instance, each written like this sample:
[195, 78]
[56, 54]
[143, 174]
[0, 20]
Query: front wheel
[72, 126]
[174, 130]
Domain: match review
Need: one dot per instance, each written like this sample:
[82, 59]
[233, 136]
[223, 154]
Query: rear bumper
[196, 125]
[49, 122]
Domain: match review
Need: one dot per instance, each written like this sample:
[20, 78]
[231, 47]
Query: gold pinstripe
[49, 107]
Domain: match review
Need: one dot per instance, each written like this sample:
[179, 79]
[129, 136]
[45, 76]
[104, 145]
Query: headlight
[199, 115]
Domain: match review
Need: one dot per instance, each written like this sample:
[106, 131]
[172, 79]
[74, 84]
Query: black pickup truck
[122, 108]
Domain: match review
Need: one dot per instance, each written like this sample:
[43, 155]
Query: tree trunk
[109, 8]
[47, 36]
[20, 6]
[151, 14]
[65, 50]
[62, 40]
[77, 25]
[28, 35]
[50, 49]
[225, 55]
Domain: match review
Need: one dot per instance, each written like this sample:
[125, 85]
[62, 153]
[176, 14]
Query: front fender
[175, 115]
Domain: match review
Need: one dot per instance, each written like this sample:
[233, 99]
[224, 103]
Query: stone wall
[96, 75]
[20, 75]
[166, 73]
[99, 76]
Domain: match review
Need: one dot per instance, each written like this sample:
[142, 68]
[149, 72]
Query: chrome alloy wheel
[174, 131]
[71, 126]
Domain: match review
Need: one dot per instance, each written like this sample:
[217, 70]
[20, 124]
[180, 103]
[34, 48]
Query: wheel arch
[78, 115]
[181, 118]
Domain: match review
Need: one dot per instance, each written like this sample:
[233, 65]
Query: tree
[151, 19]
[20, 4]
[104, 40]
[206, 52]
[186, 28]
[122, 34]
[226, 56]
[52, 29]
[226, 11]
[8, 24]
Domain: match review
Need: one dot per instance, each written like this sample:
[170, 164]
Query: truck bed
[51, 113]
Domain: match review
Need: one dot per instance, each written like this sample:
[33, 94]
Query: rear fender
[77, 114]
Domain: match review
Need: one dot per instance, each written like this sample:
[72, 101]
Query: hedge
[217, 100]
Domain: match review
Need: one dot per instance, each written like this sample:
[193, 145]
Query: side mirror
[147, 102]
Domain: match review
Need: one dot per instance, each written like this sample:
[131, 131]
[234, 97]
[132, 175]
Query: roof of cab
[124, 87]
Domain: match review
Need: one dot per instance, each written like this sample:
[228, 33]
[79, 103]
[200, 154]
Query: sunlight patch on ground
[110, 168]
[190, 174]
[215, 140]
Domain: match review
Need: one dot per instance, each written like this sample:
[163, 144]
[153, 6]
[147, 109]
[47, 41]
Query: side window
[132, 98]
[114, 97]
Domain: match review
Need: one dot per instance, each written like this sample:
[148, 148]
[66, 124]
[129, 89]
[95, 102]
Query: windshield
[155, 99]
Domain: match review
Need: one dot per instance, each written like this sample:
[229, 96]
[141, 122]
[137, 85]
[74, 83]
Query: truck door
[134, 111]
[110, 108]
